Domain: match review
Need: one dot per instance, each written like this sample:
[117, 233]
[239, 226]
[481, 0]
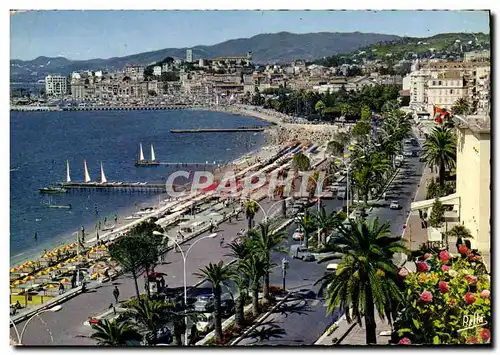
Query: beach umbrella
[18, 282]
[42, 272]
[14, 269]
[50, 285]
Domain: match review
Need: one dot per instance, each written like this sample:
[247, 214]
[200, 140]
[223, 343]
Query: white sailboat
[87, 175]
[68, 178]
[103, 177]
[141, 154]
[152, 154]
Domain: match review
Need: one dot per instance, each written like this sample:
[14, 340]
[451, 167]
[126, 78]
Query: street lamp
[184, 259]
[20, 336]
[284, 266]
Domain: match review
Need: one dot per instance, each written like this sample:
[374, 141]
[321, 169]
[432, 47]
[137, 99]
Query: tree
[251, 208]
[217, 274]
[263, 242]
[308, 225]
[461, 107]
[440, 150]
[150, 316]
[113, 333]
[366, 113]
[128, 252]
[326, 222]
[240, 250]
[345, 109]
[320, 107]
[255, 267]
[460, 232]
[436, 218]
[301, 162]
[335, 148]
[366, 276]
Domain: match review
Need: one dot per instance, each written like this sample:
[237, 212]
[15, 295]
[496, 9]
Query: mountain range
[265, 48]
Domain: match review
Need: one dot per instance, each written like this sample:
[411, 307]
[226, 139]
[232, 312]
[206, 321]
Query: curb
[260, 320]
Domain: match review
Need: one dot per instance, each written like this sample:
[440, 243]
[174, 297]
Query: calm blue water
[42, 141]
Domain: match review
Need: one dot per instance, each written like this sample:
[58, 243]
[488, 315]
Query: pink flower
[426, 296]
[485, 294]
[404, 341]
[427, 256]
[403, 272]
[445, 268]
[423, 266]
[469, 298]
[471, 257]
[485, 334]
[444, 256]
[462, 249]
[471, 279]
[443, 287]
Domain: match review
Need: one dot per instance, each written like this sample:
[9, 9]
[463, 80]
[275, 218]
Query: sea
[41, 142]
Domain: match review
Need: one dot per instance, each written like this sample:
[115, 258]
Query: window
[433, 83]
[451, 91]
[439, 82]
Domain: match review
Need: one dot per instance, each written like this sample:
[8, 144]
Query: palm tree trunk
[283, 207]
[239, 315]
[250, 220]
[371, 327]
[441, 175]
[266, 285]
[134, 275]
[306, 238]
[217, 315]
[255, 300]
[147, 283]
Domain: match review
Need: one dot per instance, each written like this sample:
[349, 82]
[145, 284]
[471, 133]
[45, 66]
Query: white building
[157, 70]
[189, 55]
[57, 85]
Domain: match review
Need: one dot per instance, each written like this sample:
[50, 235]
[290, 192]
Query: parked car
[301, 252]
[205, 322]
[394, 205]
[163, 336]
[298, 234]
[331, 268]
[204, 303]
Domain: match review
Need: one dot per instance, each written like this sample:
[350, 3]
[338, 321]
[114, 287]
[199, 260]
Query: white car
[298, 234]
[205, 322]
[394, 205]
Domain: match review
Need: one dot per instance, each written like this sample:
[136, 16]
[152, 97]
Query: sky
[103, 34]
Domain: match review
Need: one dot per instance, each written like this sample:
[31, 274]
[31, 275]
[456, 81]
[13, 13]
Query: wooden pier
[116, 186]
[213, 130]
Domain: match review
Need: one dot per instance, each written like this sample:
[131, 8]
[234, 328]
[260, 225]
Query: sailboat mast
[141, 154]
[68, 177]
[103, 177]
[153, 158]
[87, 175]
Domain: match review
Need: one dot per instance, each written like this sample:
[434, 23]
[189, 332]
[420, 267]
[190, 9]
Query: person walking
[116, 293]
[61, 288]
[221, 242]
[116, 218]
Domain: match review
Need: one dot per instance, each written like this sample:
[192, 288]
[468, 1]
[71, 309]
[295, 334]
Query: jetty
[213, 130]
[102, 108]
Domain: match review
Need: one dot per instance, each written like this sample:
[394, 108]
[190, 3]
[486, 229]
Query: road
[302, 320]
[66, 326]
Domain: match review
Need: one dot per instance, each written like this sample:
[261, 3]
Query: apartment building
[442, 83]
[56, 85]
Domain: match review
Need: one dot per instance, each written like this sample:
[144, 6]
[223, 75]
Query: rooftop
[476, 123]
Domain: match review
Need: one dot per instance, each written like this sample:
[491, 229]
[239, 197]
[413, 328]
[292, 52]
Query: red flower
[462, 249]
[469, 298]
[444, 256]
[471, 279]
[404, 341]
[485, 294]
[473, 340]
[443, 287]
[485, 334]
[426, 296]
[423, 266]
[427, 256]
[445, 268]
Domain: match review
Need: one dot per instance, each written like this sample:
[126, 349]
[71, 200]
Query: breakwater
[103, 108]
[211, 130]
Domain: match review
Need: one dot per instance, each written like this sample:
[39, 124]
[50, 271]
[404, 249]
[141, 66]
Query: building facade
[189, 55]
[56, 85]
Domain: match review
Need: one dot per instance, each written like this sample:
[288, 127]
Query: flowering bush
[447, 301]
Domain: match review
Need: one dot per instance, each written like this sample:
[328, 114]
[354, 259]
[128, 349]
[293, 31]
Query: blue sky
[104, 34]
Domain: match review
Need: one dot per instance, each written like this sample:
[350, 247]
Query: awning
[450, 199]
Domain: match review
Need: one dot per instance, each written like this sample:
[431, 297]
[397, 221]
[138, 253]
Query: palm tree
[460, 232]
[461, 107]
[301, 162]
[325, 221]
[242, 281]
[217, 274]
[149, 315]
[308, 226]
[255, 267]
[251, 208]
[366, 276]
[113, 333]
[440, 150]
[263, 242]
